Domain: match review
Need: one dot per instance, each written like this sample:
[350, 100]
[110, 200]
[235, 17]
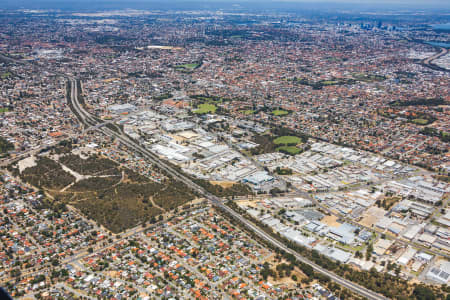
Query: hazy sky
[86, 4]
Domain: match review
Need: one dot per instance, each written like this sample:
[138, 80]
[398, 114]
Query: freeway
[88, 120]
[428, 62]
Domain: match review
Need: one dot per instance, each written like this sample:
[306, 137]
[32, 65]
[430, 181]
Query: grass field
[5, 75]
[369, 77]
[187, 67]
[279, 112]
[3, 109]
[287, 140]
[420, 121]
[330, 82]
[289, 150]
[205, 108]
[248, 112]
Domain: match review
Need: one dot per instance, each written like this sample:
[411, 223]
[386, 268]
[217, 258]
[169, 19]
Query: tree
[397, 270]
[422, 292]
[369, 251]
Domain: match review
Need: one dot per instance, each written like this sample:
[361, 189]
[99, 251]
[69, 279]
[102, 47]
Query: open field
[292, 150]
[280, 112]
[236, 189]
[224, 184]
[287, 140]
[187, 68]
[5, 75]
[371, 216]
[248, 112]
[331, 221]
[420, 121]
[283, 272]
[369, 77]
[205, 108]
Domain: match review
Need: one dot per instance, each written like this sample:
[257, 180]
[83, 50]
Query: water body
[439, 44]
[445, 26]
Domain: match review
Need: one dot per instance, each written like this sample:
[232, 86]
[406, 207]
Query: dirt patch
[371, 216]
[287, 281]
[368, 221]
[224, 184]
[331, 221]
[27, 163]
[248, 203]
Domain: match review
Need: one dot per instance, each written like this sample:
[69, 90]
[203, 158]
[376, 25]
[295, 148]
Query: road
[305, 195]
[7, 162]
[429, 61]
[88, 120]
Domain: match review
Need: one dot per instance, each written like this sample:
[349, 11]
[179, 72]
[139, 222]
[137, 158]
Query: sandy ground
[285, 280]
[368, 221]
[248, 203]
[331, 221]
[77, 176]
[224, 184]
[186, 135]
[372, 215]
[27, 163]
[83, 152]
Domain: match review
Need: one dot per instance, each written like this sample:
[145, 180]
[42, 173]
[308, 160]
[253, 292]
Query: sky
[406, 2]
[177, 4]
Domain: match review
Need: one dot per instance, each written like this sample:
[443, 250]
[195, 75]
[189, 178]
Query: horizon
[383, 5]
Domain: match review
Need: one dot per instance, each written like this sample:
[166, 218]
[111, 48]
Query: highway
[429, 61]
[89, 121]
